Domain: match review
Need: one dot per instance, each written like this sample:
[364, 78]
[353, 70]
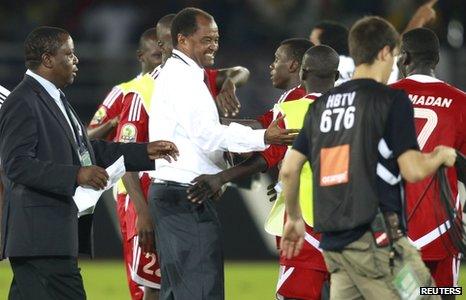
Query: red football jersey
[275, 153]
[133, 128]
[440, 118]
[109, 109]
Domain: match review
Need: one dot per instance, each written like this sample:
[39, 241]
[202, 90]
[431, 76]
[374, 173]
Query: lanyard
[174, 55]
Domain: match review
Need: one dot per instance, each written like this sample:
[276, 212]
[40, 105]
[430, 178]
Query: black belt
[170, 183]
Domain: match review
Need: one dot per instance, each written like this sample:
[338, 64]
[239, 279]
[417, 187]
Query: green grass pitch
[243, 280]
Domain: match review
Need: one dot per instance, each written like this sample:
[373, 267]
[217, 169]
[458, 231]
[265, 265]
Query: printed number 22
[146, 269]
[429, 126]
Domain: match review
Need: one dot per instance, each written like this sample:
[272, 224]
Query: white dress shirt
[53, 92]
[183, 111]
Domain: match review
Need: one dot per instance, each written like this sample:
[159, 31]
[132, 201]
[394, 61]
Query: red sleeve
[275, 153]
[212, 77]
[134, 121]
[109, 109]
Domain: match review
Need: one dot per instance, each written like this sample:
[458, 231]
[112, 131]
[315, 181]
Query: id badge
[85, 158]
[407, 284]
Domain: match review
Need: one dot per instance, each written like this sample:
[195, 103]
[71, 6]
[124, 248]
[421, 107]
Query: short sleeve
[400, 133]
[109, 109]
[133, 123]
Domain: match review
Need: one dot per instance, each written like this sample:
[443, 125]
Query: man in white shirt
[182, 111]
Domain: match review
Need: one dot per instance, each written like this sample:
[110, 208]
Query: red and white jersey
[275, 153]
[109, 109]
[3, 94]
[440, 118]
[132, 128]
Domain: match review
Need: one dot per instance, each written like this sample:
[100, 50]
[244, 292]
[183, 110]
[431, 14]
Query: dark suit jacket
[40, 159]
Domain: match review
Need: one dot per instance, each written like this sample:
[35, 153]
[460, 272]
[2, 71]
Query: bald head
[165, 21]
[148, 53]
[164, 36]
[319, 68]
[321, 61]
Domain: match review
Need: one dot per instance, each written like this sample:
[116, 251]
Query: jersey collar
[423, 78]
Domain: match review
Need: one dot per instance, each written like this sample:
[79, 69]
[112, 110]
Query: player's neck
[318, 87]
[422, 70]
[292, 83]
[368, 71]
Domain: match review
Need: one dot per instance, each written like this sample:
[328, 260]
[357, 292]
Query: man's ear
[405, 58]
[47, 60]
[139, 54]
[384, 53]
[302, 75]
[182, 40]
[294, 66]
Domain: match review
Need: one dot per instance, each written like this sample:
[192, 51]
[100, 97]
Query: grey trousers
[189, 245]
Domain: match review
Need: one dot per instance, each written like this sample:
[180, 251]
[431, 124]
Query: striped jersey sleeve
[109, 108]
[3, 94]
[111, 98]
[134, 120]
[134, 113]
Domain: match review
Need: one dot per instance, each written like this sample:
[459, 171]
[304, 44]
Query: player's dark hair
[147, 35]
[185, 22]
[321, 61]
[335, 35]
[44, 39]
[368, 36]
[423, 46]
[295, 48]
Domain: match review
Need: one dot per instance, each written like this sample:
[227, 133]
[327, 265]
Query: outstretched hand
[162, 150]
[277, 135]
[227, 101]
[205, 186]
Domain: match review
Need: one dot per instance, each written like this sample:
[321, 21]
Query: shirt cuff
[260, 137]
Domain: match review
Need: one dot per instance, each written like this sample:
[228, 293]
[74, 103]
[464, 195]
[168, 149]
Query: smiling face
[202, 45]
[63, 67]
